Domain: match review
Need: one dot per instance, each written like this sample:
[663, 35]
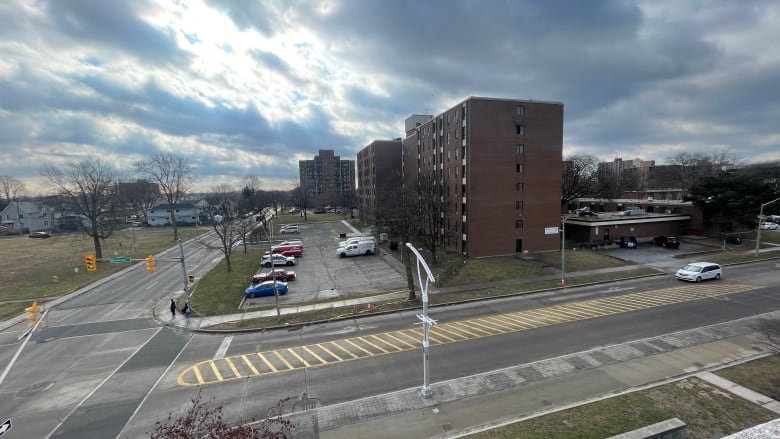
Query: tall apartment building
[497, 166]
[379, 174]
[327, 180]
[625, 175]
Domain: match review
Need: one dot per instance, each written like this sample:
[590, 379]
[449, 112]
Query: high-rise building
[493, 169]
[379, 175]
[327, 180]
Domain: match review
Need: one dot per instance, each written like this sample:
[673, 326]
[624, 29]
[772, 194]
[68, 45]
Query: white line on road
[223, 347]
[151, 285]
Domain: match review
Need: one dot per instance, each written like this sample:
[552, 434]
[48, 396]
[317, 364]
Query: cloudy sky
[249, 87]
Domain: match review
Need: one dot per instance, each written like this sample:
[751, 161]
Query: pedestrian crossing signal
[91, 262]
[33, 313]
[150, 263]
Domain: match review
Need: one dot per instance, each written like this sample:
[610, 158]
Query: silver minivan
[699, 271]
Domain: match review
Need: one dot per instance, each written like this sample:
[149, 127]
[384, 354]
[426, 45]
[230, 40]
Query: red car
[280, 274]
[288, 250]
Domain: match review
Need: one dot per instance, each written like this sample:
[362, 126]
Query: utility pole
[426, 321]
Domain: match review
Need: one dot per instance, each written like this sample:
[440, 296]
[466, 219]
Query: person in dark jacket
[173, 308]
[186, 311]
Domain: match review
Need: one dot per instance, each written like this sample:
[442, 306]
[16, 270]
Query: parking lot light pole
[426, 321]
[563, 249]
[760, 219]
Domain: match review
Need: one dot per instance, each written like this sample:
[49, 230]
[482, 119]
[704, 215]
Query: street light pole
[563, 249]
[760, 219]
[426, 321]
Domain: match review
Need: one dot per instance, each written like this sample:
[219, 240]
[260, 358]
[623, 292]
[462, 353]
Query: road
[105, 368]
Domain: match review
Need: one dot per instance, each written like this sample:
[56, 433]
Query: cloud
[250, 87]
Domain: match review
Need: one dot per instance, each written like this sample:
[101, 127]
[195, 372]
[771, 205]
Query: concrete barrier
[668, 429]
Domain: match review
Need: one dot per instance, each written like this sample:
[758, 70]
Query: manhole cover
[35, 389]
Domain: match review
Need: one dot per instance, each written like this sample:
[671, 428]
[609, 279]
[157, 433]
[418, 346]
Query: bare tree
[229, 230]
[91, 187]
[11, 188]
[140, 195]
[201, 420]
[433, 196]
[580, 173]
[399, 211]
[174, 175]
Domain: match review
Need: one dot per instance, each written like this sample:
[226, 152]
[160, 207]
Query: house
[26, 216]
[186, 214]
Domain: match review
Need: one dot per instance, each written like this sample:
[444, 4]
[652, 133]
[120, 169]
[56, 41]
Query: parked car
[585, 211]
[279, 273]
[297, 242]
[287, 250]
[733, 240]
[699, 271]
[289, 229]
[265, 289]
[39, 235]
[632, 211]
[627, 242]
[277, 260]
[356, 239]
[768, 226]
[357, 248]
[319, 210]
[667, 241]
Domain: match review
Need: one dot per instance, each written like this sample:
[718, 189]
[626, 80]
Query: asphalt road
[104, 367]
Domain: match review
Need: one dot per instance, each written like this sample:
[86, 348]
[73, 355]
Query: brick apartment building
[327, 180]
[378, 173]
[500, 164]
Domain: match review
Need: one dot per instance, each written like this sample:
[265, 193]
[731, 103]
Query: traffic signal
[91, 262]
[150, 263]
[33, 310]
[191, 278]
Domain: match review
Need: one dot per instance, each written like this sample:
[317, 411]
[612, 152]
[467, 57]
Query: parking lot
[647, 253]
[322, 275]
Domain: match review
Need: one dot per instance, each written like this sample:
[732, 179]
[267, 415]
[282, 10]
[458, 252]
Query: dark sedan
[265, 289]
[39, 235]
[279, 273]
[667, 241]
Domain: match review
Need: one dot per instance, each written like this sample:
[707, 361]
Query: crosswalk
[371, 345]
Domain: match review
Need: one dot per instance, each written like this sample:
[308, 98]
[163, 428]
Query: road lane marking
[404, 340]
[223, 347]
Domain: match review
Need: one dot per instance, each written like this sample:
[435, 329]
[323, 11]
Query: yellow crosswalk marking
[359, 347]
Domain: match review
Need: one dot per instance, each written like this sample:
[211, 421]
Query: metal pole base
[426, 392]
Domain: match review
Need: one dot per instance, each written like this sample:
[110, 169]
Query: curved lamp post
[760, 219]
[426, 321]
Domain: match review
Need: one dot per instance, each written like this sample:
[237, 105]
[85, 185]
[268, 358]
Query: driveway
[647, 253]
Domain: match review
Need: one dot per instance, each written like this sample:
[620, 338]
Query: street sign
[120, 260]
[5, 426]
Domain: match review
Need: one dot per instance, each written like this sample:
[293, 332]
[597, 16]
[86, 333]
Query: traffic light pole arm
[21, 348]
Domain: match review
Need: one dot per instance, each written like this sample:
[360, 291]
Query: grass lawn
[220, 291]
[707, 411]
[53, 267]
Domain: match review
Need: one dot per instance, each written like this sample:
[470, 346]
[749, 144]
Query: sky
[250, 87]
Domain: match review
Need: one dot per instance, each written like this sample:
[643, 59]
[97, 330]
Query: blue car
[265, 289]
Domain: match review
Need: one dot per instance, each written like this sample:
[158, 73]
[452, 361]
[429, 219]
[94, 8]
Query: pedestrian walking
[173, 308]
[186, 312]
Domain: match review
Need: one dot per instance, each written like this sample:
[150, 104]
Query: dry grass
[47, 268]
[707, 411]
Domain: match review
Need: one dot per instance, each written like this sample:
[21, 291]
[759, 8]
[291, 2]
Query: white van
[365, 247]
[357, 239]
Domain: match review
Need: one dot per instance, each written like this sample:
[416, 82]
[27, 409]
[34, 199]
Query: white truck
[367, 247]
[356, 239]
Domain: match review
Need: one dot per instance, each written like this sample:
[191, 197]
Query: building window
[519, 187]
[519, 168]
[518, 224]
[520, 149]
[520, 129]
[520, 110]
[519, 206]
